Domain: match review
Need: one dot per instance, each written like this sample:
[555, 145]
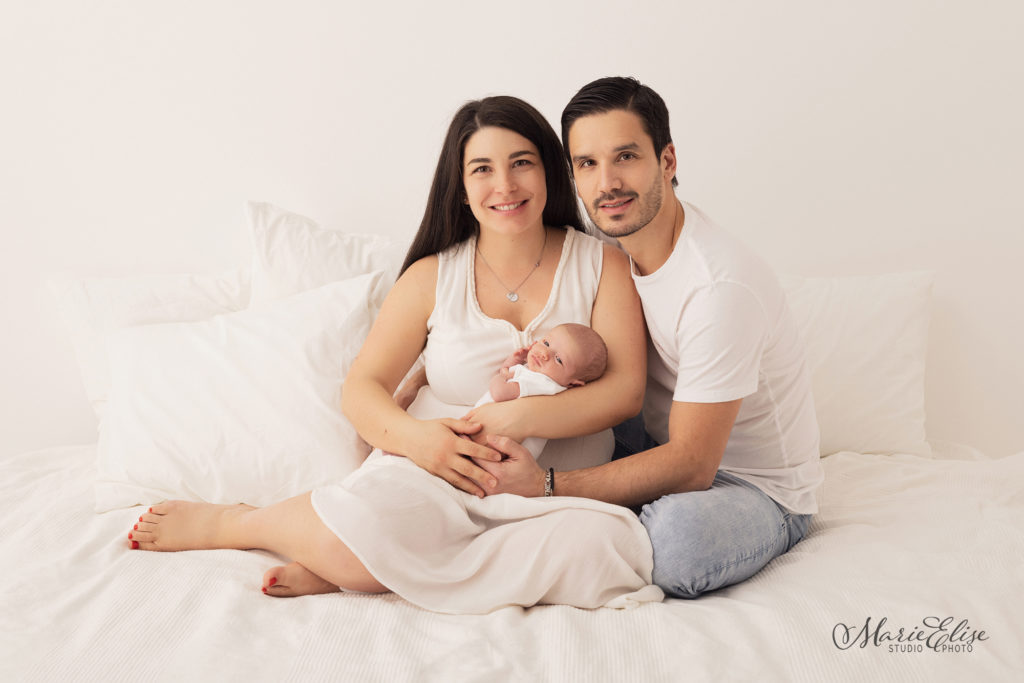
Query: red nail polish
[140, 519]
[273, 581]
[135, 545]
[129, 536]
[264, 590]
[150, 509]
[135, 528]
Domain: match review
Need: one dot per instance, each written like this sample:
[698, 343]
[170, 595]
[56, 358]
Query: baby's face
[557, 355]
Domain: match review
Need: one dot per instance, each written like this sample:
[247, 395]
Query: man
[732, 484]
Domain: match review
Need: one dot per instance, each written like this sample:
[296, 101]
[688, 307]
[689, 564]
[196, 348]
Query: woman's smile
[510, 209]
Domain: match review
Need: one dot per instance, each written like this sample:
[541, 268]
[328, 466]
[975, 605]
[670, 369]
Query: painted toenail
[264, 590]
[273, 581]
[129, 536]
[150, 509]
[135, 545]
[135, 528]
[140, 519]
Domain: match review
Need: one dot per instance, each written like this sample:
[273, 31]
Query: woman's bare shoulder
[421, 272]
[416, 285]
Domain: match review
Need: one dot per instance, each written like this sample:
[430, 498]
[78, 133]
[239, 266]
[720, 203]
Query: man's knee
[681, 546]
[696, 575]
[698, 549]
[680, 569]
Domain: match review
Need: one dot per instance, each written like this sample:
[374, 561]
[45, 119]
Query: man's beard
[615, 226]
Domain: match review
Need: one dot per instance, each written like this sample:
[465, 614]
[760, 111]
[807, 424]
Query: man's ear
[668, 161]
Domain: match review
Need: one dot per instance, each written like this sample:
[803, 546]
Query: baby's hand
[517, 358]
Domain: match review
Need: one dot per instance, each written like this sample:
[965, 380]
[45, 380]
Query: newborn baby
[569, 356]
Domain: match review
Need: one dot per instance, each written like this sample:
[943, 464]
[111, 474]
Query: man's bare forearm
[698, 435]
[639, 478]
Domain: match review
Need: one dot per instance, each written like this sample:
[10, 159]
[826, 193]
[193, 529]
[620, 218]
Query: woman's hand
[506, 418]
[445, 453]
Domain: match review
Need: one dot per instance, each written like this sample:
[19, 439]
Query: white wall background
[834, 137]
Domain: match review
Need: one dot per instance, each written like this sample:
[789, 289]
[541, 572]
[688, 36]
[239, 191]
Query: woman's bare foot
[182, 525]
[290, 580]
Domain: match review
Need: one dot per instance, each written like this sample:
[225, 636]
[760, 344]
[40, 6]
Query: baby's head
[570, 354]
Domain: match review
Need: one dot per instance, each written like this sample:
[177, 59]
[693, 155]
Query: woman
[490, 267]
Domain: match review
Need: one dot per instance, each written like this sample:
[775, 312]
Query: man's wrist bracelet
[549, 482]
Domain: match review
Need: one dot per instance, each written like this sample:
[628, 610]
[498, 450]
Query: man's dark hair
[620, 92]
[447, 220]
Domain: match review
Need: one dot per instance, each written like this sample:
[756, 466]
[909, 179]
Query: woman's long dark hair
[447, 220]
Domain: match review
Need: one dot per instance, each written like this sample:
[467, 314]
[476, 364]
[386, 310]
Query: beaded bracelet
[549, 482]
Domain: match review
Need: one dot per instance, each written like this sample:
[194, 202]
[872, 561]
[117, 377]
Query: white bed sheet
[899, 537]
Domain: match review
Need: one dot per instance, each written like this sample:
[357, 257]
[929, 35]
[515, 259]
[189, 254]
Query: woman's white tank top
[465, 347]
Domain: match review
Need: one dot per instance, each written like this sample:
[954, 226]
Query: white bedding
[900, 537]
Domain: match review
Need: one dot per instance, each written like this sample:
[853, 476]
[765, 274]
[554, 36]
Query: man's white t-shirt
[721, 330]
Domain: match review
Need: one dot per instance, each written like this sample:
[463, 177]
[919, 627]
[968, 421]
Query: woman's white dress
[449, 551]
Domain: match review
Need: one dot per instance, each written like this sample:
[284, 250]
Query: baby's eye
[559, 360]
[545, 342]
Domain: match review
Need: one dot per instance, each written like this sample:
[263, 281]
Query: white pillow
[244, 407]
[866, 340]
[93, 307]
[292, 253]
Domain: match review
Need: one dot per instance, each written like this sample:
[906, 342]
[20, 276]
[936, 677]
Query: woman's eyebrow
[513, 155]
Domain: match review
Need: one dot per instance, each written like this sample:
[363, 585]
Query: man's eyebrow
[629, 146]
[513, 155]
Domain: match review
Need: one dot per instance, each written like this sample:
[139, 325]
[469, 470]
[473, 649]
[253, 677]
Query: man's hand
[518, 473]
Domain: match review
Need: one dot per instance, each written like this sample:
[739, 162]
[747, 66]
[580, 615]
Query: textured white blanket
[898, 538]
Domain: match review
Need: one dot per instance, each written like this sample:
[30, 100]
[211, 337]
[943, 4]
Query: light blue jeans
[704, 540]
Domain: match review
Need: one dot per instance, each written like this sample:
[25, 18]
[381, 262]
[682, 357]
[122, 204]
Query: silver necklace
[511, 292]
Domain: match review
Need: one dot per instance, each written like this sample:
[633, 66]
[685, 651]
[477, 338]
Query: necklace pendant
[512, 296]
